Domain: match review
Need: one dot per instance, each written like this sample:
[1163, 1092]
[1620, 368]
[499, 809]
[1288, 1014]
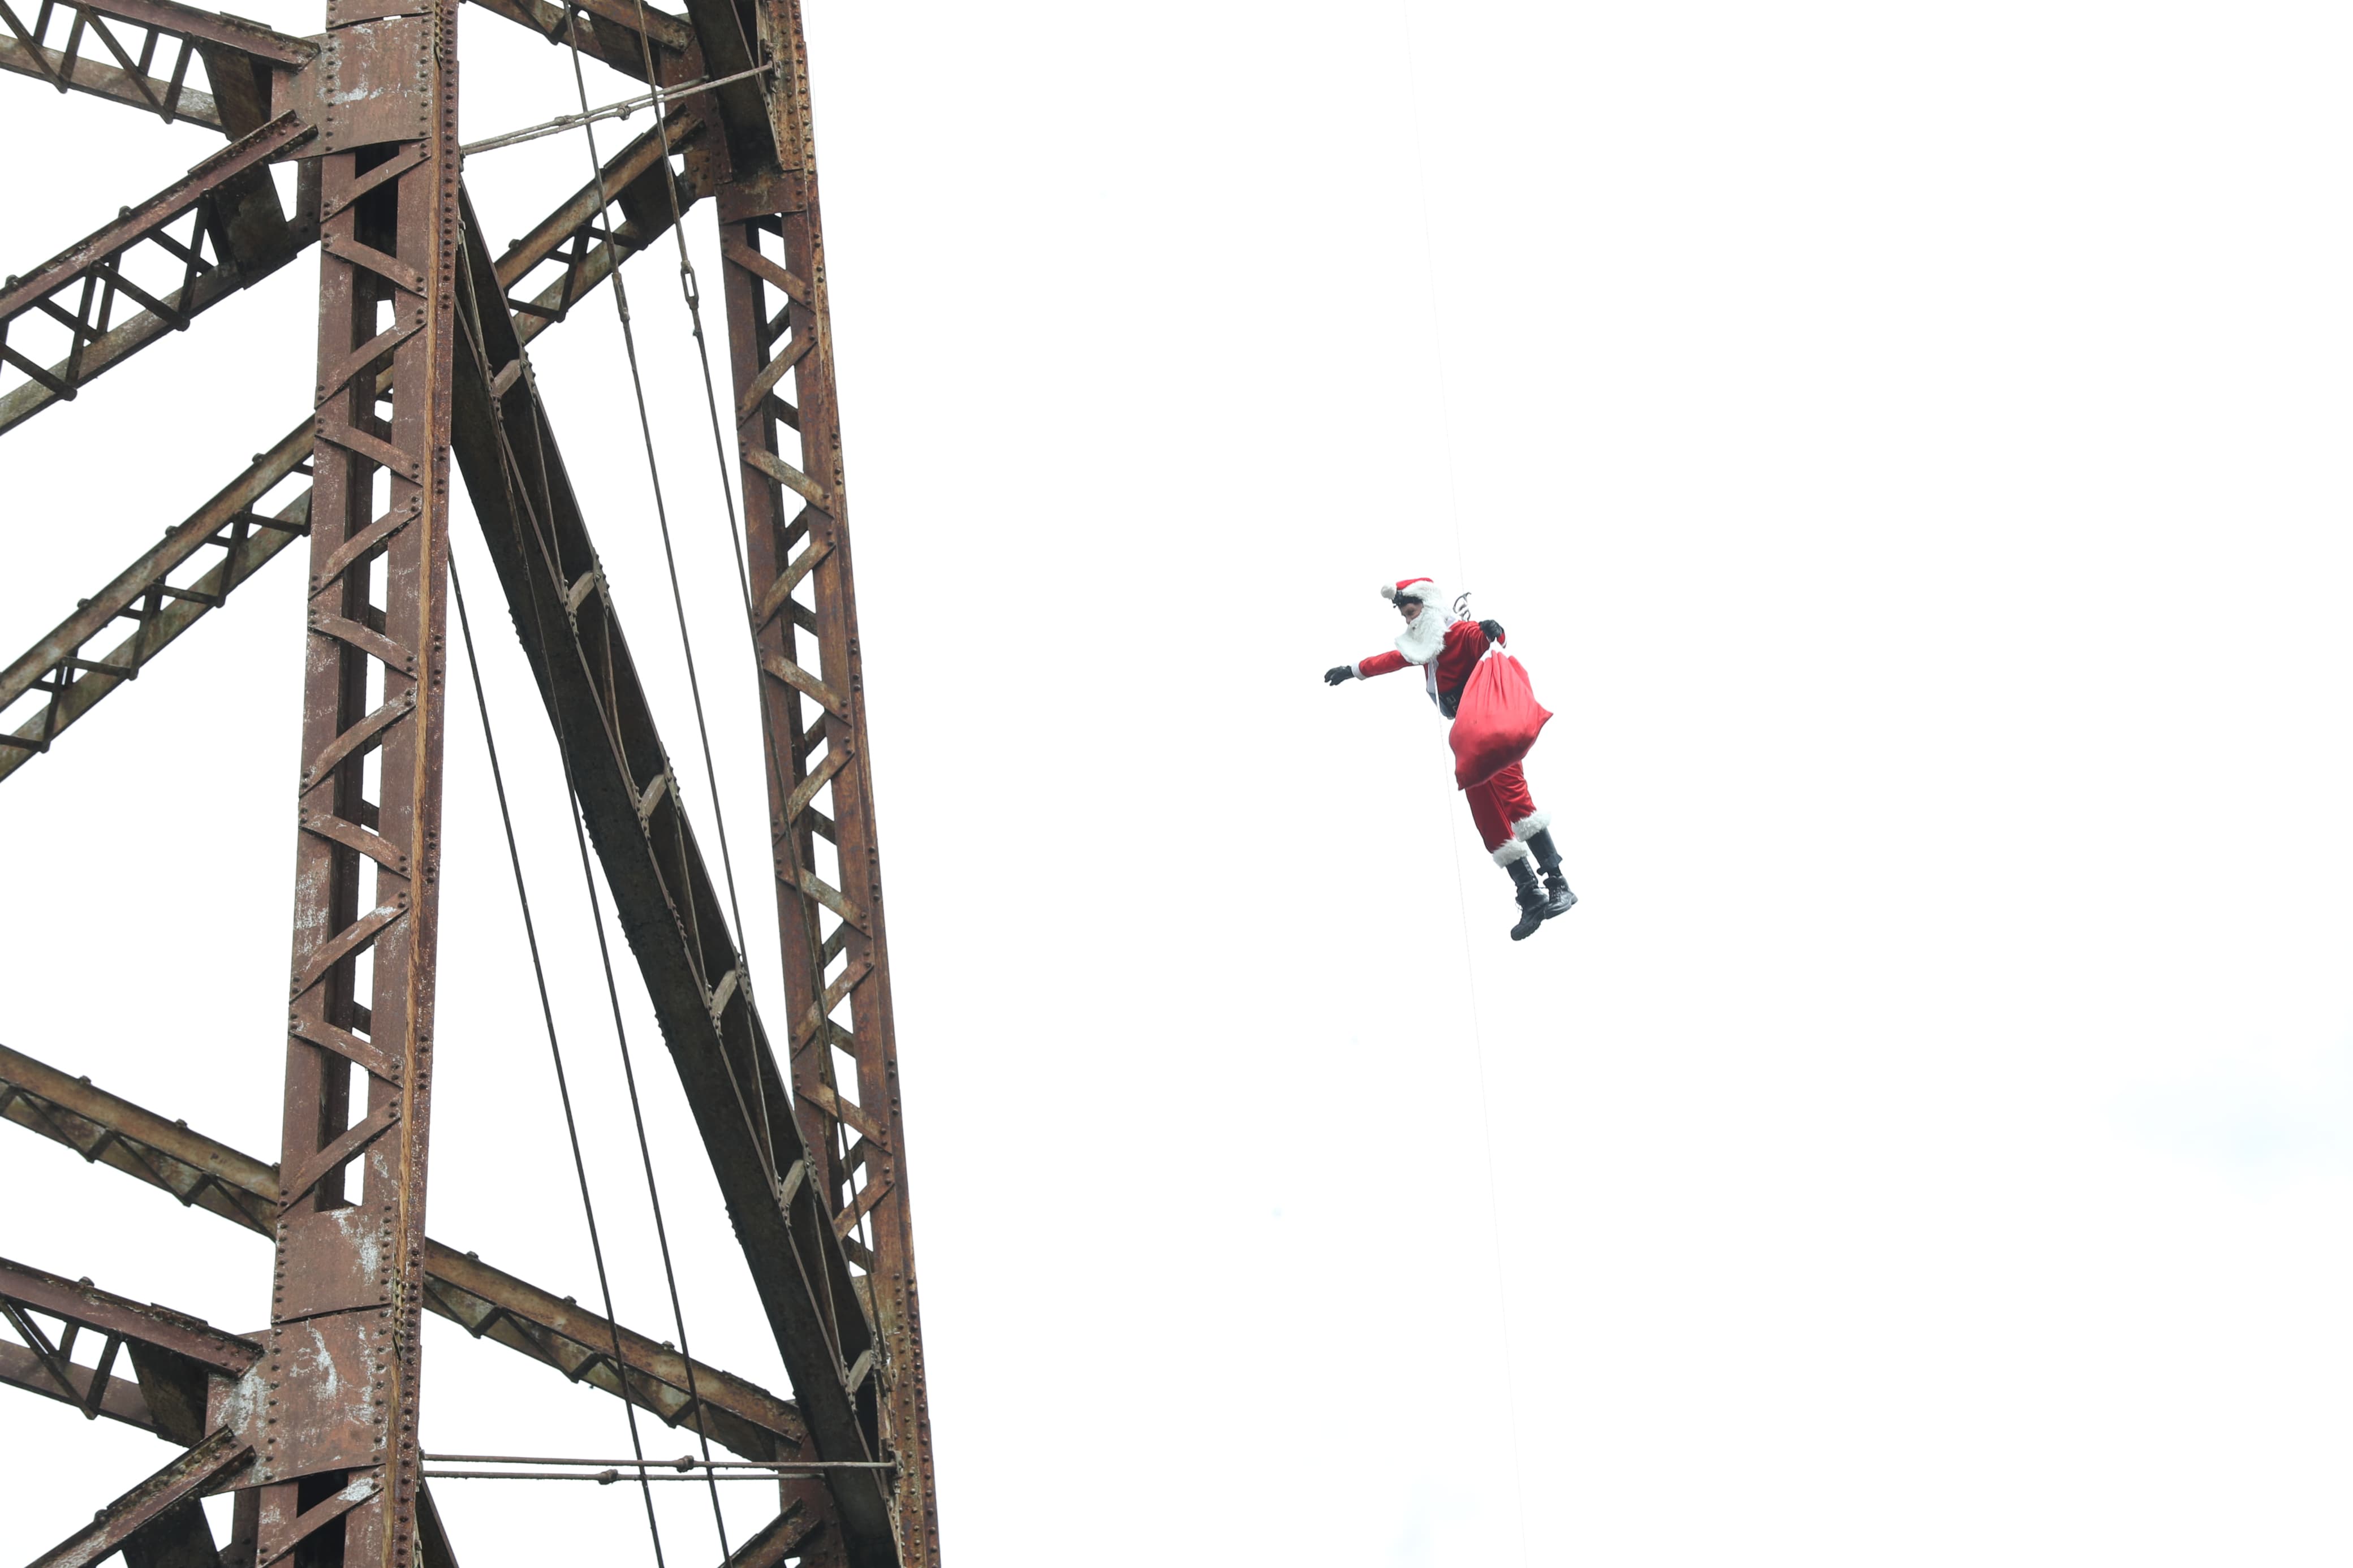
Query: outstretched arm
[1381, 663]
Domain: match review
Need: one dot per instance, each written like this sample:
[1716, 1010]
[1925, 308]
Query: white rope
[1453, 838]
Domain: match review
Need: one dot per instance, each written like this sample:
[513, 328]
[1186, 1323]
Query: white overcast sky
[1907, 444]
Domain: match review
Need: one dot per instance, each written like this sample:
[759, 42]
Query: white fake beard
[1424, 635]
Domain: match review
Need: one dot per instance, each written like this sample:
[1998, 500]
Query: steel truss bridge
[423, 340]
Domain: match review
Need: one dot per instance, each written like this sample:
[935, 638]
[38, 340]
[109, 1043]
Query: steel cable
[690, 289]
[661, 512]
[701, 725]
[555, 1050]
[820, 1184]
[653, 467]
[735, 541]
[1462, 909]
[613, 991]
[659, 98]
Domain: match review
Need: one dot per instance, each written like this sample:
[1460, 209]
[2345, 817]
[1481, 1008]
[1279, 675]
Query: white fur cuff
[1527, 827]
[1514, 850]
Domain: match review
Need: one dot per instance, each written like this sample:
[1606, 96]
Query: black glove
[1338, 673]
[1494, 630]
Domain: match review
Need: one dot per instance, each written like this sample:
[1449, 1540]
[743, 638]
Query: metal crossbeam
[583, 243]
[574, 236]
[179, 1366]
[140, 53]
[487, 1301]
[801, 1533]
[731, 37]
[162, 1511]
[129, 88]
[232, 233]
[61, 665]
[607, 30]
[665, 898]
[184, 1368]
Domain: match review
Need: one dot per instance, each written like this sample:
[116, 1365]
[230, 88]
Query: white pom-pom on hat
[1424, 589]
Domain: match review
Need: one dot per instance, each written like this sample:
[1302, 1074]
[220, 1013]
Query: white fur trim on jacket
[1514, 850]
[1527, 827]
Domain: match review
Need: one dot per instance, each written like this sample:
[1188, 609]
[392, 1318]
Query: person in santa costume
[1516, 833]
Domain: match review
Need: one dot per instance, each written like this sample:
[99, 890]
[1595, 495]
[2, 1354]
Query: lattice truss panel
[423, 331]
[176, 61]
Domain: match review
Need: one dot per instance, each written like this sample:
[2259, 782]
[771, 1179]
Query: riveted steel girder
[140, 53]
[607, 30]
[666, 900]
[341, 1375]
[231, 232]
[837, 970]
[157, 595]
[162, 1511]
[175, 1363]
[487, 1301]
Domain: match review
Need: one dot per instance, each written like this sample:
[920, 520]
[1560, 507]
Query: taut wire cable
[703, 730]
[620, 109]
[653, 468]
[691, 289]
[1453, 838]
[612, 988]
[555, 1050]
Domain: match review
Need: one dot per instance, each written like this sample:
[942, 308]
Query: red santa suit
[1501, 806]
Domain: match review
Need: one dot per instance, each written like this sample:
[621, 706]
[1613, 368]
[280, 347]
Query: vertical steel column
[337, 1448]
[813, 714]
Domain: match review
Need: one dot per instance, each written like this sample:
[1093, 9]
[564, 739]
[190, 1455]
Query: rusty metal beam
[487, 1302]
[116, 86]
[190, 25]
[432, 1539]
[729, 34]
[836, 970]
[801, 1533]
[610, 33]
[161, 609]
[163, 1505]
[185, 1370]
[152, 45]
[237, 233]
[558, 1332]
[179, 1365]
[665, 898]
[107, 1131]
[342, 1376]
[116, 1399]
[80, 1302]
[582, 241]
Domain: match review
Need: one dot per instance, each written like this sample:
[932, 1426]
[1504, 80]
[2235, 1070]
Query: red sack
[1497, 720]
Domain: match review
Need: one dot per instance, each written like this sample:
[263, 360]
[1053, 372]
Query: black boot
[1531, 896]
[1558, 900]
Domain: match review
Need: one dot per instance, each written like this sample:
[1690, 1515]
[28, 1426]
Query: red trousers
[1499, 801]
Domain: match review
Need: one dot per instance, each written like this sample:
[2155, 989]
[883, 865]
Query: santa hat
[1420, 588]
